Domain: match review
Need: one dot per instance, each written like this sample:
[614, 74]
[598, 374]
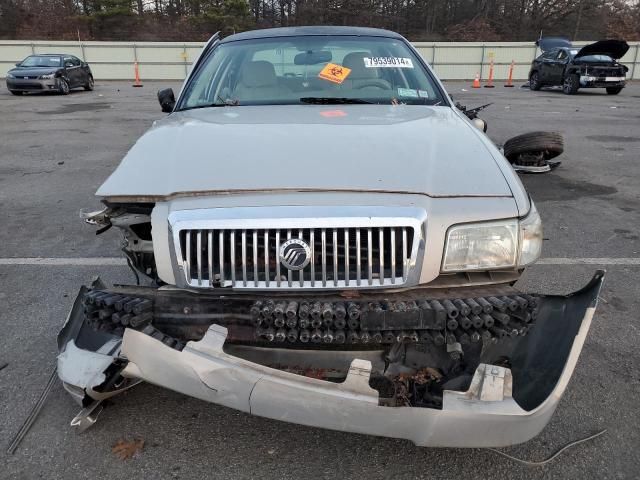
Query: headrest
[355, 61]
[258, 74]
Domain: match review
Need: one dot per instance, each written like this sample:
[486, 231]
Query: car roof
[312, 31]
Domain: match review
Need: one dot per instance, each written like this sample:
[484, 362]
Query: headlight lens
[480, 246]
[47, 77]
[10, 75]
[491, 245]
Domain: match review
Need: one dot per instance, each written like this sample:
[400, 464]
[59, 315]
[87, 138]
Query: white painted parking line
[65, 262]
[589, 261]
[117, 261]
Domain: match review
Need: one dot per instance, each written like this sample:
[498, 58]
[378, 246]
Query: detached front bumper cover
[502, 406]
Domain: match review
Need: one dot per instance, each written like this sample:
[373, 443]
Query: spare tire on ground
[546, 144]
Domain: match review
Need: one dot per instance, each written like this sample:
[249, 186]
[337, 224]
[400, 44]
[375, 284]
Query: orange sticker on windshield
[334, 73]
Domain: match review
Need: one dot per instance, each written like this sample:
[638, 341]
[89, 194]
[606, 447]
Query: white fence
[171, 60]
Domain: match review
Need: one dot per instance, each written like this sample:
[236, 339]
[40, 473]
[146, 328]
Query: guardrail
[171, 60]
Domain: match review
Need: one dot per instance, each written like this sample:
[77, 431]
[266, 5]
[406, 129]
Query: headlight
[480, 246]
[47, 77]
[530, 237]
[492, 245]
[10, 75]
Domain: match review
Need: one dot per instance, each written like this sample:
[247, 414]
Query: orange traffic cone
[476, 81]
[137, 82]
[510, 77]
[489, 83]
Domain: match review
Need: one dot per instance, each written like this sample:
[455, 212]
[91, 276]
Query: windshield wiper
[223, 103]
[334, 100]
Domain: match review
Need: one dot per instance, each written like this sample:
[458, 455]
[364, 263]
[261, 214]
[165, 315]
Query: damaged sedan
[321, 237]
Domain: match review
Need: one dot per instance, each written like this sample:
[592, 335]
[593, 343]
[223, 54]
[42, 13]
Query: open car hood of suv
[615, 49]
[382, 148]
[547, 43]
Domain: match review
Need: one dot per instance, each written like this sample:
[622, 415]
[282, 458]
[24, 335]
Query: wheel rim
[64, 86]
[90, 82]
[568, 84]
[534, 80]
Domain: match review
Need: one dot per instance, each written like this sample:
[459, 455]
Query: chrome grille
[341, 257]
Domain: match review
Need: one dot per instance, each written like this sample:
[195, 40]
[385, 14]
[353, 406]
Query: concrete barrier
[171, 60]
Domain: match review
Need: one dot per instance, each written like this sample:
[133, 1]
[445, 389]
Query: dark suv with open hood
[592, 66]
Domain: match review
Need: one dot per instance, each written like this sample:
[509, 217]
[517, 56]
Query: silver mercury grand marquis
[321, 237]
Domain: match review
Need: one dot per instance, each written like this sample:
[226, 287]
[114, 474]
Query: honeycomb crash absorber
[304, 310]
[502, 318]
[486, 306]
[256, 309]
[476, 321]
[452, 311]
[463, 309]
[475, 307]
[292, 310]
[267, 310]
[353, 337]
[305, 335]
[353, 312]
[278, 314]
[327, 336]
[511, 304]
[327, 315]
[465, 323]
[292, 335]
[267, 334]
[281, 335]
[316, 336]
[142, 307]
[497, 304]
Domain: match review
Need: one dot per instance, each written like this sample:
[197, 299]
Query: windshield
[41, 61]
[311, 69]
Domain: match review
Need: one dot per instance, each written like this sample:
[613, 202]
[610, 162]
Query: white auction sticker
[407, 92]
[387, 62]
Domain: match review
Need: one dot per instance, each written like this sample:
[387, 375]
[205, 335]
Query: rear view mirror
[312, 58]
[167, 99]
[18, 64]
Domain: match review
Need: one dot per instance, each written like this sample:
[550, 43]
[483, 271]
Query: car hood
[385, 148]
[613, 48]
[547, 43]
[31, 71]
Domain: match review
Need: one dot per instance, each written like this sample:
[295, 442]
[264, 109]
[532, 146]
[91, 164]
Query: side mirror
[480, 124]
[167, 99]
[18, 64]
[68, 64]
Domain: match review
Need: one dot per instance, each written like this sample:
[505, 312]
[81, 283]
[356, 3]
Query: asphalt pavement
[54, 153]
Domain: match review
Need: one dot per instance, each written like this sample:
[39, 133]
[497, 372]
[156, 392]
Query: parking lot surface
[56, 151]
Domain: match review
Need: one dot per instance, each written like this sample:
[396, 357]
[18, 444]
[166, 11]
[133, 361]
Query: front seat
[361, 77]
[258, 81]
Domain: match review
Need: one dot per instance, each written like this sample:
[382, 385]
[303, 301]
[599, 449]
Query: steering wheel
[373, 83]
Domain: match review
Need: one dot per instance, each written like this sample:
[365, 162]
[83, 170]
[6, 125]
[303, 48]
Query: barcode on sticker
[387, 62]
